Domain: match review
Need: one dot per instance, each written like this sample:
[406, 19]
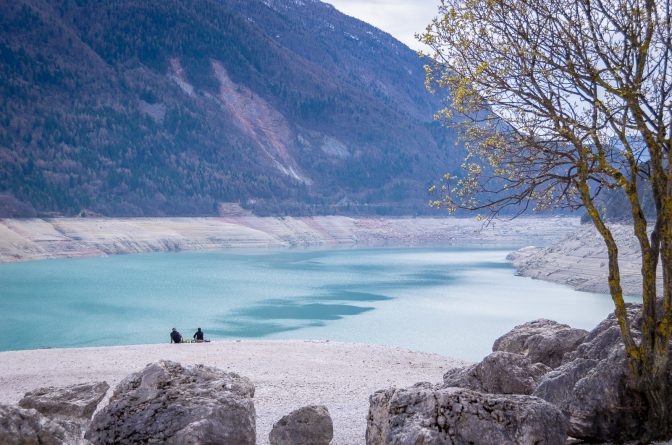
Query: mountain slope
[149, 107]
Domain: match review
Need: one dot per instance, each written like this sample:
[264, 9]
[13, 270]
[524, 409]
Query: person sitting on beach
[199, 336]
[175, 337]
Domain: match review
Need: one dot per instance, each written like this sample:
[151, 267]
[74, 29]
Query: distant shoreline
[287, 374]
[580, 261]
[36, 239]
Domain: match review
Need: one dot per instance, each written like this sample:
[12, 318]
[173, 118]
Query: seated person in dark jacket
[199, 335]
[175, 337]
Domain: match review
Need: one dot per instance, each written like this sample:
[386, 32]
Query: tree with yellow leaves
[558, 100]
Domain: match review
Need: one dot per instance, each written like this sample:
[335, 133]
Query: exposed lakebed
[452, 301]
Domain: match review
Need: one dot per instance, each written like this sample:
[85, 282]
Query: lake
[451, 301]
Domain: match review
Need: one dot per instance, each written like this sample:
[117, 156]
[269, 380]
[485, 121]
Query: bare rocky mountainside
[165, 107]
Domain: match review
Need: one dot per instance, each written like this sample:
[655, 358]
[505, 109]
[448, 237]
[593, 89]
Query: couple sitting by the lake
[176, 337]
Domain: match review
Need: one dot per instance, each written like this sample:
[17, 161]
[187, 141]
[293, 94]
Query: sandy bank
[580, 261]
[32, 239]
[287, 374]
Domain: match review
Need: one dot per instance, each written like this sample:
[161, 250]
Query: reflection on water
[449, 301]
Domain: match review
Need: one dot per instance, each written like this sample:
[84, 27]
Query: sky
[401, 18]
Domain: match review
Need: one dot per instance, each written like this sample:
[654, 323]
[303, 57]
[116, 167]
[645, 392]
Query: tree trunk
[654, 377]
[648, 361]
[654, 383]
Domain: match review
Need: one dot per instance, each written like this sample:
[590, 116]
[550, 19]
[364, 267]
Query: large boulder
[498, 373]
[310, 425]
[171, 404]
[74, 401]
[593, 388]
[606, 336]
[596, 397]
[423, 415]
[542, 341]
[19, 426]
[558, 385]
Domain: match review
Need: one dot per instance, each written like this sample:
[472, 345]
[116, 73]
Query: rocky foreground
[544, 383]
[579, 260]
[286, 375]
[33, 239]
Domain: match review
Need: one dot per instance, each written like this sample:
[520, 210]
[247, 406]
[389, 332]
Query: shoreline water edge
[35, 239]
[560, 249]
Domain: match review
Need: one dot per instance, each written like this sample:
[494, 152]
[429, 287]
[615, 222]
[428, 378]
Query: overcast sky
[401, 18]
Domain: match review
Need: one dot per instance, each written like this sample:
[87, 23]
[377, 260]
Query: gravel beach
[286, 374]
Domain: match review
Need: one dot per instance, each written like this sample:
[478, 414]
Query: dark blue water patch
[267, 317]
[339, 287]
[347, 295]
[289, 310]
[253, 329]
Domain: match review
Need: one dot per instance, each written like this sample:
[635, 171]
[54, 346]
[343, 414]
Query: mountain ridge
[149, 108]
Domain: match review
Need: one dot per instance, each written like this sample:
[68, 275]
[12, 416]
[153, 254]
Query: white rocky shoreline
[579, 260]
[34, 239]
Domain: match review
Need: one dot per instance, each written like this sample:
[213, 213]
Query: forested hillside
[168, 107]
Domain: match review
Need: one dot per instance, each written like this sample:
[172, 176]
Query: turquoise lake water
[446, 300]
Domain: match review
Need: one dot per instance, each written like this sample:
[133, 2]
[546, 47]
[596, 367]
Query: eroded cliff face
[31, 239]
[580, 260]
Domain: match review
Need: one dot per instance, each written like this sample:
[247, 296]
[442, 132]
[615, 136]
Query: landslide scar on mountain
[180, 77]
[267, 126]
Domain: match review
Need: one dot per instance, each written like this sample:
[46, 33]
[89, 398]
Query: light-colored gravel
[286, 374]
